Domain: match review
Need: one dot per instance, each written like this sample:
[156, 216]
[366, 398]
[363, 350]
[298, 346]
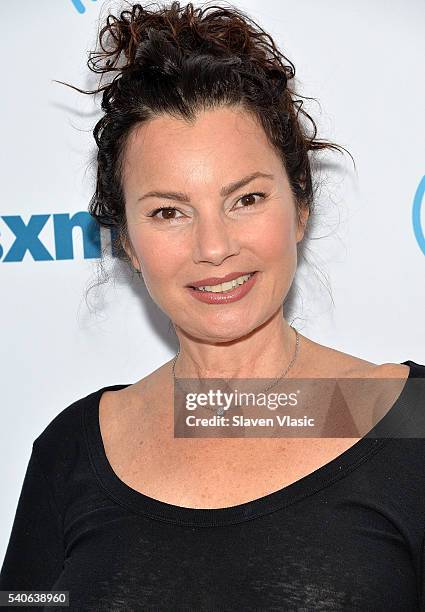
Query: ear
[303, 215]
[126, 245]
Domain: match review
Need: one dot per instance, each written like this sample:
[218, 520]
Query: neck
[264, 353]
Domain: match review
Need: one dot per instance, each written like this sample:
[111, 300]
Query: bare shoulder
[391, 370]
[382, 370]
[321, 360]
[118, 409]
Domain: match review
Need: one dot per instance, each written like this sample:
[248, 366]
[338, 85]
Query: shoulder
[146, 390]
[320, 360]
[147, 401]
[120, 408]
[64, 434]
[68, 418]
[388, 370]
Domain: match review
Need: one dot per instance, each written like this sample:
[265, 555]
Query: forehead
[219, 141]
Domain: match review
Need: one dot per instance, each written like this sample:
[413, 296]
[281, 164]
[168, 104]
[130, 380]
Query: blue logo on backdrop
[79, 5]
[27, 234]
[418, 204]
[27, 237]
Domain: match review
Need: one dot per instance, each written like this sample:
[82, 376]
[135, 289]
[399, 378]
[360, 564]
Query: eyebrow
[224, 191]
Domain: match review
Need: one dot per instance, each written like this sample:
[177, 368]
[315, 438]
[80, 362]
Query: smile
[225, 293]
[223, 287]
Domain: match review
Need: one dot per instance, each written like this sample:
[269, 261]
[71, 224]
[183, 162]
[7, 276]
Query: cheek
[159, 257]
[274, 237]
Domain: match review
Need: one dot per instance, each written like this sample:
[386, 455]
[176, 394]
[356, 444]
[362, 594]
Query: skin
[212, 236]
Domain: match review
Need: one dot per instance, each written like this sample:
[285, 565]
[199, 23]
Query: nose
[214, 239]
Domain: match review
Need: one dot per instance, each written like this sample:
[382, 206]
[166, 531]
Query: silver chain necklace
[220, 410]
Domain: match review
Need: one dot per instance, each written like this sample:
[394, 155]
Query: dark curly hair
[179, 60]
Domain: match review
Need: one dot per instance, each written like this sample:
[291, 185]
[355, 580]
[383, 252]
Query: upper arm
[35, 553]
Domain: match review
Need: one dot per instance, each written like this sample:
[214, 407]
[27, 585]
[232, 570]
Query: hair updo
[181, 60]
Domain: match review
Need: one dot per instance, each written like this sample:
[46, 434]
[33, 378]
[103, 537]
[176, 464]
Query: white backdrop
[362, 60]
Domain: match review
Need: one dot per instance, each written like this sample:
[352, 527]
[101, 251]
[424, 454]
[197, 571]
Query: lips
[215, 280]
[218, 298]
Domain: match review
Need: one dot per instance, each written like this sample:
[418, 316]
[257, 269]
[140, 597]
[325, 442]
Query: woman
[204, 174]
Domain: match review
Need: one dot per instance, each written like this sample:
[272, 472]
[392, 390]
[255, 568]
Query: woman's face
[209, 234]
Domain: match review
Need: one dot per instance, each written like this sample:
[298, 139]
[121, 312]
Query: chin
[223, 330]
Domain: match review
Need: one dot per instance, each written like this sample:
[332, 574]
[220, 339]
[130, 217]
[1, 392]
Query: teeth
[225, 286]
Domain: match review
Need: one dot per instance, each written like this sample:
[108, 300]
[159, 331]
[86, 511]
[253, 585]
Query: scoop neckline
[156, 509]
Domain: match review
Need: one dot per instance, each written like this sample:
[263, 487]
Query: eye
[164, 208]
[170, 210]
[261, 194]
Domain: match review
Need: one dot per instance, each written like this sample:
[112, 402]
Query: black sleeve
[35, 553]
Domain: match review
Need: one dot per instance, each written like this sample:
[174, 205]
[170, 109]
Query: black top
[348, 536]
